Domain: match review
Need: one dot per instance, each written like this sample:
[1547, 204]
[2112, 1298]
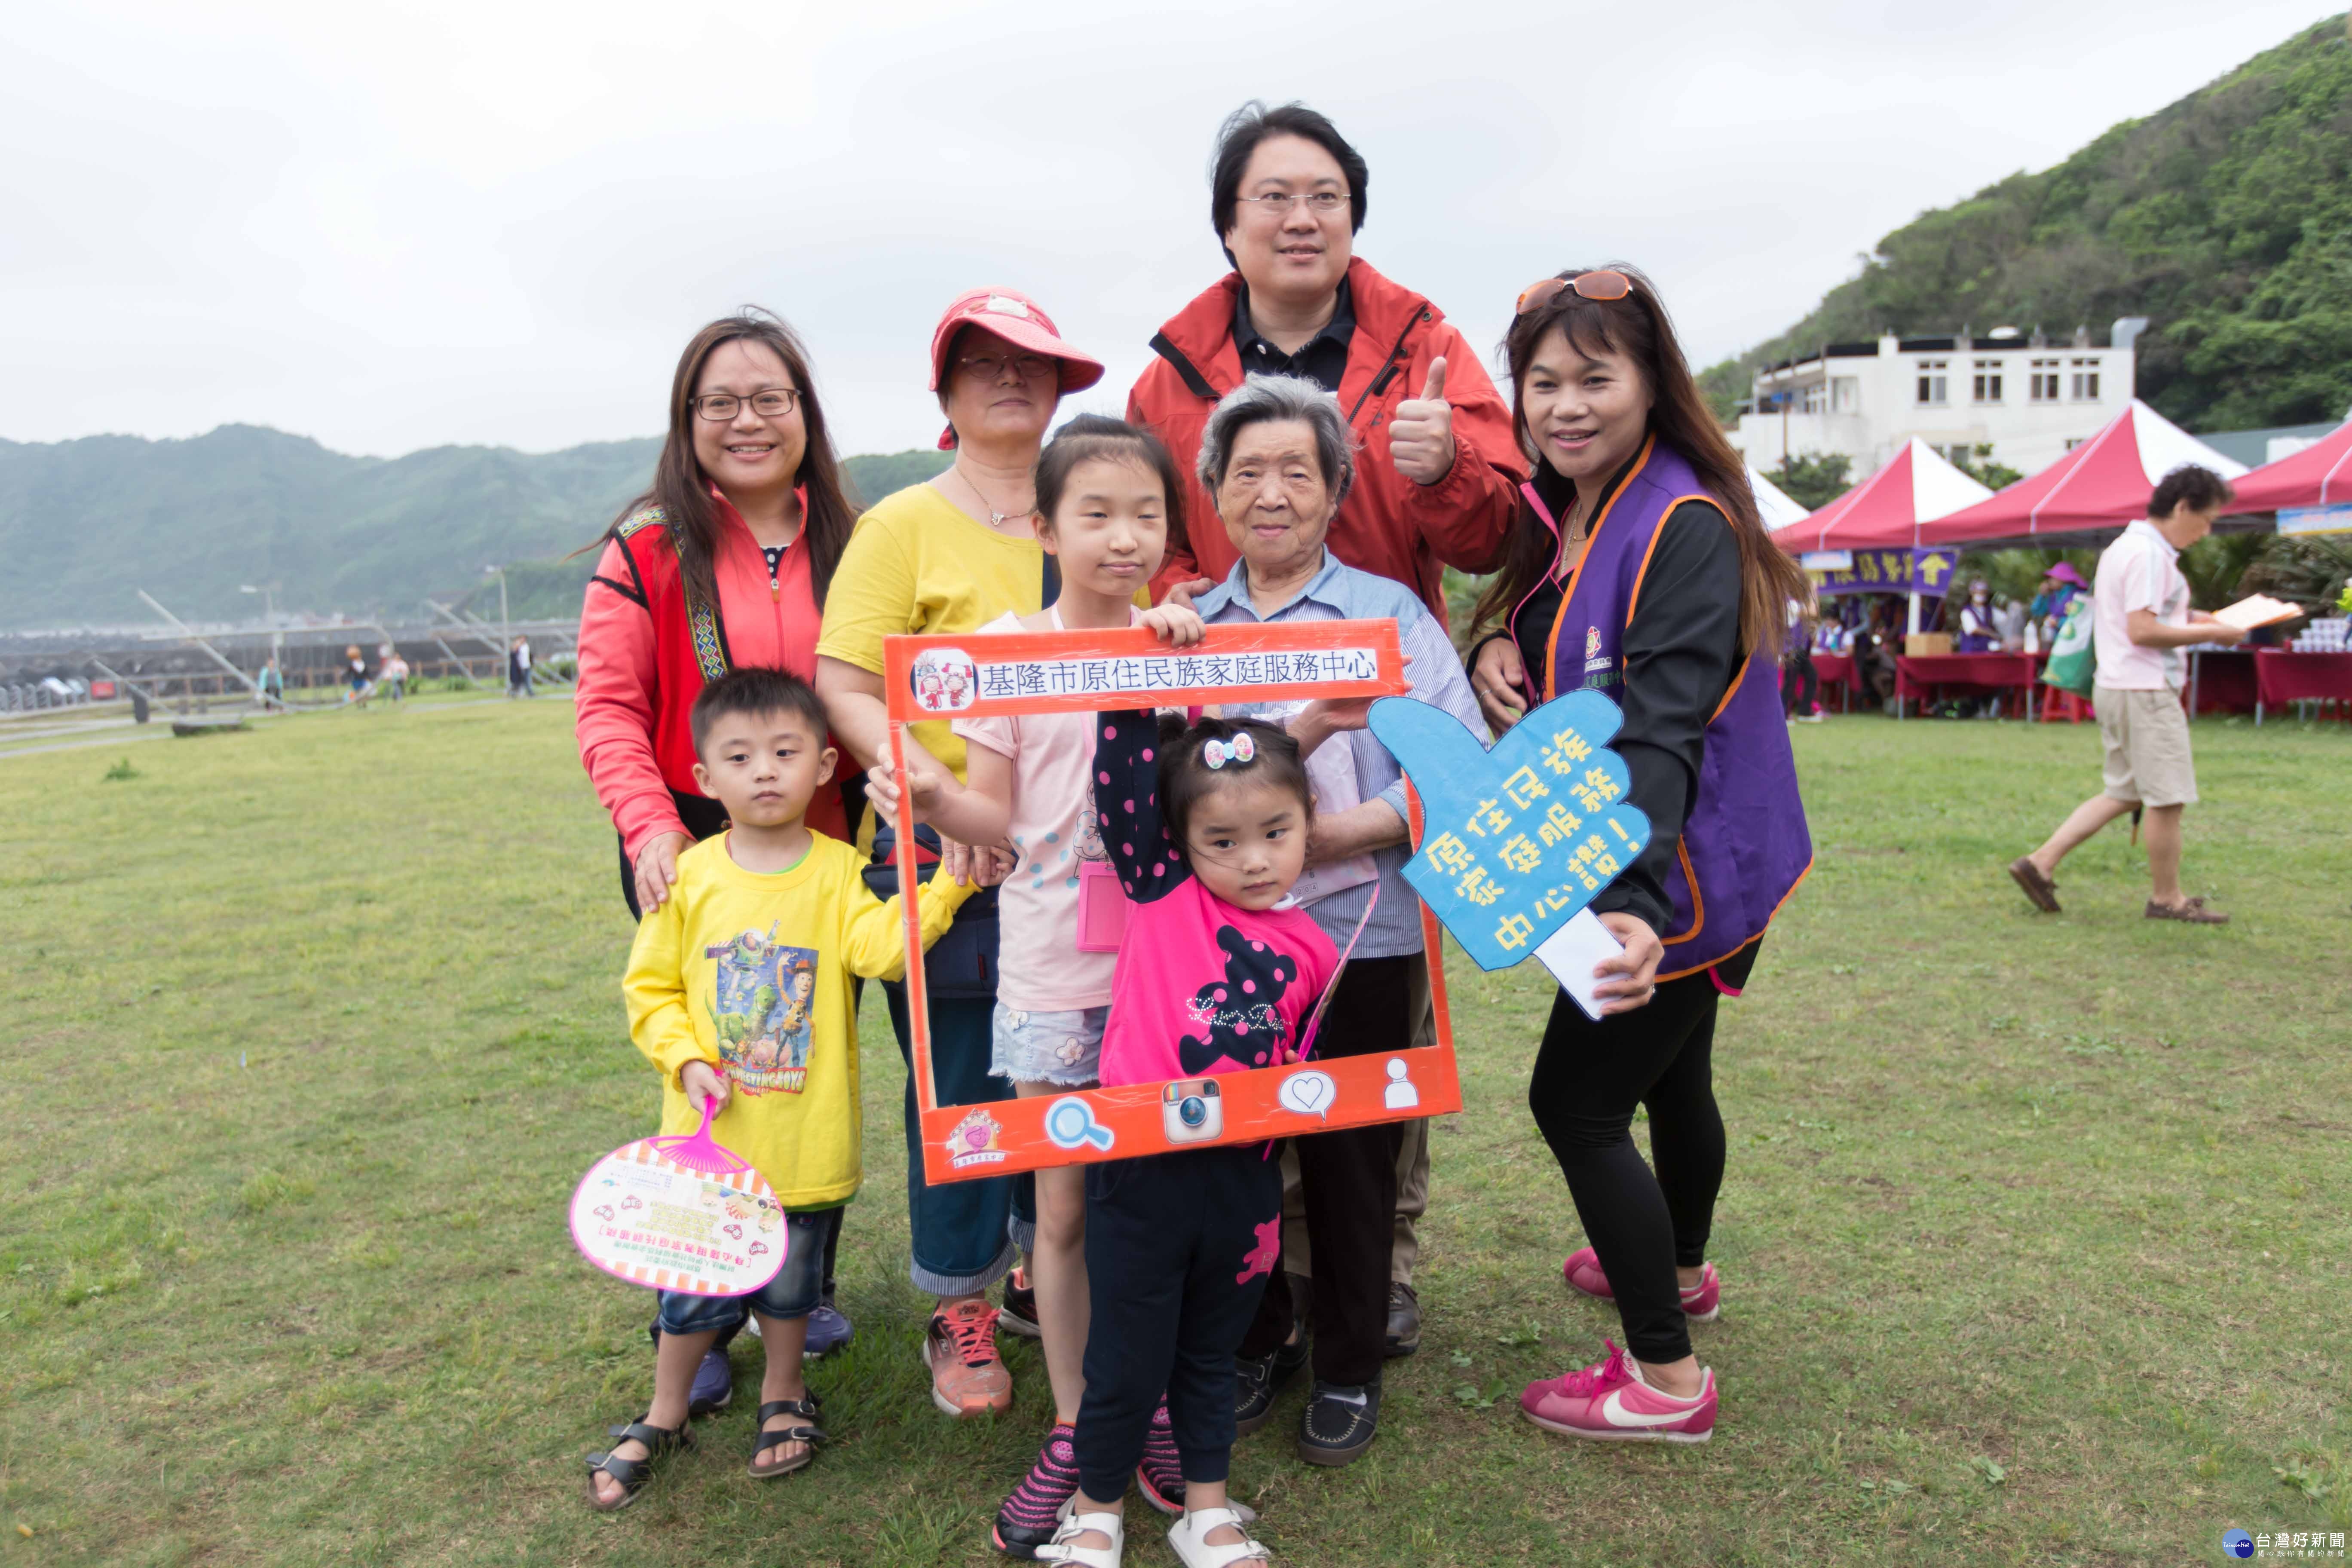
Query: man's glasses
[721, 407]
[1277, 204]
[1603, 285]
[988, 367]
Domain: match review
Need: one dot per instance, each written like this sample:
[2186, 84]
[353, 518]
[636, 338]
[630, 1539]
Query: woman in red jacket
[723, 563]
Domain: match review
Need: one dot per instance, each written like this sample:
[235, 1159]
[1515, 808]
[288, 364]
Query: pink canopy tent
[1887, 509]
[2099, 488]
[2319, 474]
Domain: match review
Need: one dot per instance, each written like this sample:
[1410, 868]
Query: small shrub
[121, 770]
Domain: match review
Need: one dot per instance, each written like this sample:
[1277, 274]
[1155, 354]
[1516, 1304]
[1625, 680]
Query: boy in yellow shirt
[739, 990]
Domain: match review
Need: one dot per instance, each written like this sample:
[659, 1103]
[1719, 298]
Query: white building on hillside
[2031, 401]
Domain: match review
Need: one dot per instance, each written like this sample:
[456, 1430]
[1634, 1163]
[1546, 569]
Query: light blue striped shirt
[1341, 592]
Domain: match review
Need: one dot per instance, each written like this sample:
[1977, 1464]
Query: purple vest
[1745, 846]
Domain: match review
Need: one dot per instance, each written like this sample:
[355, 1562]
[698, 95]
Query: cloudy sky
[405, 224]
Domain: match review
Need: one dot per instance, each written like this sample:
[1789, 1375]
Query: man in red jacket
[1438, 484]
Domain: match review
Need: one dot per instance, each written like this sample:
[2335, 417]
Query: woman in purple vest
[1640, 569]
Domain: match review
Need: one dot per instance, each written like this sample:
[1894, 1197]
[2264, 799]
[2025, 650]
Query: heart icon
[1520, 837]
[758, 1249]
[734, 1230]
[633, 1203]
[604, 1211]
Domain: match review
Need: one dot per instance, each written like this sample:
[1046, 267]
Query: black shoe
[1404, 1321]
[1340, 1423]
[1019, 1314]
[1258, 1381]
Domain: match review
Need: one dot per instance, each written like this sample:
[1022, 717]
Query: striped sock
[1163, 1468]
[1036, 1503]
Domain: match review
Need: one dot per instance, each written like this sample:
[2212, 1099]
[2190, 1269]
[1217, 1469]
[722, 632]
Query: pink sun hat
[1009, 314]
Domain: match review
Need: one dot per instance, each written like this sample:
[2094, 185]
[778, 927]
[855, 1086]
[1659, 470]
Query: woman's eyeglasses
[721, 407]
[988, 367]
[1603, 285]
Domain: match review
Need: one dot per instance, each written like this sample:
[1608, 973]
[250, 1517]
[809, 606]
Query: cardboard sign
[929, 677]
[1524, 836]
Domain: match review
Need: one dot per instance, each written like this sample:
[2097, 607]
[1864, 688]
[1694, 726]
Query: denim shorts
[792, 1293]
[1063, 1050]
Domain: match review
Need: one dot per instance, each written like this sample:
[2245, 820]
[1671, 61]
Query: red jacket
[644, 657]
[1388, 525]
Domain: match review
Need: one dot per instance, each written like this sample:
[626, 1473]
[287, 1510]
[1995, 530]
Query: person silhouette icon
[1401, 1094]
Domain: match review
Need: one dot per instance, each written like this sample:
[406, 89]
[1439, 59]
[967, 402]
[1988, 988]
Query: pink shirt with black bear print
[1202, 987]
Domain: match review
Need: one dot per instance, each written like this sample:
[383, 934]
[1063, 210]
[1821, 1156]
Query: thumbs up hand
[1420, 432]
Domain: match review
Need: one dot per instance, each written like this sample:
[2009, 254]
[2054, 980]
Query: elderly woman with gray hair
[1277, 458]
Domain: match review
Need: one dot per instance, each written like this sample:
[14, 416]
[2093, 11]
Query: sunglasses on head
[1603, 285]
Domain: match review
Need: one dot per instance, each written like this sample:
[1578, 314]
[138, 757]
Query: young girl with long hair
[1640, 569]
[1107, 496]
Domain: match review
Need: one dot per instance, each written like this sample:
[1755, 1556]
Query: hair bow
[1240, 749]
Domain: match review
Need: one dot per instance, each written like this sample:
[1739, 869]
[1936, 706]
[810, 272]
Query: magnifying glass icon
[1070, 1122]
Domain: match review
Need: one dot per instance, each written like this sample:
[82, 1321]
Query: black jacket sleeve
[1682, 649]
[1127, 804]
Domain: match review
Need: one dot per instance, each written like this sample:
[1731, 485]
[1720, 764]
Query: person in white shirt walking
[2140, 621]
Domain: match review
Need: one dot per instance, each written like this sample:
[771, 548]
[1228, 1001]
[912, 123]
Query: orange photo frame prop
[945, 678]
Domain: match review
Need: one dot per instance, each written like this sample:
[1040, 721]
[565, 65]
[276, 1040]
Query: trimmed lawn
[2035, 1234]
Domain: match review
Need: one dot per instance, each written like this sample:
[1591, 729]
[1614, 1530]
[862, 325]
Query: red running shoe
[1702, 1304]
[1609, 1401]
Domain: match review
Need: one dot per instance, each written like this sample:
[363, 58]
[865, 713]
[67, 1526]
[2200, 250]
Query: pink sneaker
[1609, 1401]
[1702, 1304]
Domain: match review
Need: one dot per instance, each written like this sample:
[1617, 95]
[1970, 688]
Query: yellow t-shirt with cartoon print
[750, 972]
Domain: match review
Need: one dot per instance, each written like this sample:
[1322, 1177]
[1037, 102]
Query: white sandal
[1189, 1535]
[1074, 1524]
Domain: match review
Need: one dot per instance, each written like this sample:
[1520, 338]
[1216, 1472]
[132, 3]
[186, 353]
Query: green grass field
[2035, 1235]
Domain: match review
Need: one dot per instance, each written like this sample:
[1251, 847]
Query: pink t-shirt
[1202, 987]
[2140, 570]
[1040, 968]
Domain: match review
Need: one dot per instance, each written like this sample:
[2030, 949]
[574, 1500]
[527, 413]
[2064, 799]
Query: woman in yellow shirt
[951, 555]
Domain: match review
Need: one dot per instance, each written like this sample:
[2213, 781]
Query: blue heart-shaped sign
[1515, 839]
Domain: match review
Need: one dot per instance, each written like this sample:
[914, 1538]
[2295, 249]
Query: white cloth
[2140, 570]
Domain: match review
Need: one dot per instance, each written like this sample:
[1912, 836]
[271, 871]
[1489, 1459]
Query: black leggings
[1800, 684]
[1588, 1078]
[1179, 1248]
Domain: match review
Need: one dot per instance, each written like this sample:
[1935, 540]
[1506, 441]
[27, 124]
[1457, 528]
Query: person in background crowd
[518, 669]
[356, 685]
[1641, 570]
[392, 675]
[952, 555]
[723, 563]
[2140, 622]
[1800, 683]
[1439, 471]
[271, 685]
[1277, 455]
[1979, 631]
[2060, 586]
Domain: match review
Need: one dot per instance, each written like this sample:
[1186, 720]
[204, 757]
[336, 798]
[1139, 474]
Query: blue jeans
[794, 1292]
[961, 1231]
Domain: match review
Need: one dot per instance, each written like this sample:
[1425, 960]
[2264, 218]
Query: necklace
[996, 520]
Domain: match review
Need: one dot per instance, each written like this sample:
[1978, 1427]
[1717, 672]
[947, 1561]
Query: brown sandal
[2037, 887]
[764, 1440]
[2191, 911]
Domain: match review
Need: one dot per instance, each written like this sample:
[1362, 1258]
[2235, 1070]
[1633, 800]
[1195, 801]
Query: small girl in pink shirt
[1207, 825]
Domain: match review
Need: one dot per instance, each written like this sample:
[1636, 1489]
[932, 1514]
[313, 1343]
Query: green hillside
[2226, 218]
[87, 523]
